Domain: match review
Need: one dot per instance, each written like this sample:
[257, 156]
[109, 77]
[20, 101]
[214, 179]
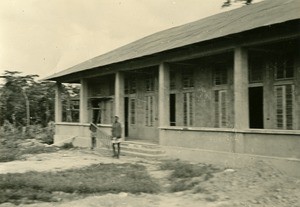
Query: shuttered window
[149, 113]
[188, 78]
[284, 106]
[284, 68]
[220, 109]
[255, 71]
[188, 109]
[150, 83]
[172, 80]
[130, 86]
[220, 76]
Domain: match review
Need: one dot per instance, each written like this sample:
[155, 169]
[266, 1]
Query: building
[223, 89]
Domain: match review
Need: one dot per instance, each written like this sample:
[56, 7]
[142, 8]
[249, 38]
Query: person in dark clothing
[116, 132]
[93, 129]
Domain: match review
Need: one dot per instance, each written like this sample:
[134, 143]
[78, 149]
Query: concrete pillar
[240, 85]
[83, 114]
[58, 103]
[164, 95]
[119, 99]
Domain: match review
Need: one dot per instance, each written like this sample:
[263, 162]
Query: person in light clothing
[116, 132]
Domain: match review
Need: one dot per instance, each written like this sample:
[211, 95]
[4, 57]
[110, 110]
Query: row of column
[241, 113]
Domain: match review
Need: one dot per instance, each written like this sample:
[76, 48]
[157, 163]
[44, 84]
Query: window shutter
[289, 106]
[217, 109]
[220, 108]
[223, 108]
[188, 109]
[284, 106]
[149, 114]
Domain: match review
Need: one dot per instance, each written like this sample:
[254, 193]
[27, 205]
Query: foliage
[25, 101]
[100, 178]
[12, 141]
[228, 3]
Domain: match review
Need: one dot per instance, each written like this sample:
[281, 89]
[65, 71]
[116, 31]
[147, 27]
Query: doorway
[126, 124]
[172, 110]
[256, 108]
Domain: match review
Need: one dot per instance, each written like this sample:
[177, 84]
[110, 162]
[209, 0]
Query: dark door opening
[172, 110]
[126, 100]
[256, 108]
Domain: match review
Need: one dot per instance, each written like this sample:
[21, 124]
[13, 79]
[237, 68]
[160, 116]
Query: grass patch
[38, 150]
[11, 154]
[183, 173]
[7, 155]
[102, 178]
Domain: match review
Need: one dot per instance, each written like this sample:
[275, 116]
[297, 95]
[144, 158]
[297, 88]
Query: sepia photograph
[150, 103]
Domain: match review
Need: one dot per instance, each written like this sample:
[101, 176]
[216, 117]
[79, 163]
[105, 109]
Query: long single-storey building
[222, 89]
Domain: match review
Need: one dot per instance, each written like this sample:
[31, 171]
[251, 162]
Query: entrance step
[140, 149]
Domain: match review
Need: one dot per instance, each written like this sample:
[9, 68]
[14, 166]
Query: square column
[240, 85]
[83, 114]
[58, 103]
[164, 95]
[119, 99]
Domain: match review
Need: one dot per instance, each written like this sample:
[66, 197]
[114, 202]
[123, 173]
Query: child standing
[93, 129]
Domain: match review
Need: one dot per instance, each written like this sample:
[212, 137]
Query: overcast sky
[46, 36]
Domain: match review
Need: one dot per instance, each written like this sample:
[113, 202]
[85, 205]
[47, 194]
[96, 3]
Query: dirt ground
[257, 185]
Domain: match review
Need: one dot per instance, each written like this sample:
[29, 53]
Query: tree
[229, 2]
[25, 101]
[15, 88]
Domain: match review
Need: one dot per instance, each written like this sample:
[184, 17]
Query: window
[130, 86]
[71, 110]
[172, 80]
[220, 76]
[188, 109]
[255, 71]
[220, 109]
[284, 106]
[101, 110]
[284, 68]
[111, 87]
[188, 78]
[149, 111]
[150, 83]
[132, 111]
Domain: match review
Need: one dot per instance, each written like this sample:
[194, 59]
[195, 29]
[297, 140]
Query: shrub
[68, 145]
[7, 155]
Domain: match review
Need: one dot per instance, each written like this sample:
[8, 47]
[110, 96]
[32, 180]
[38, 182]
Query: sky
[46, 36]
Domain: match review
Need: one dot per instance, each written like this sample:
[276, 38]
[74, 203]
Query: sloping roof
[261, 14]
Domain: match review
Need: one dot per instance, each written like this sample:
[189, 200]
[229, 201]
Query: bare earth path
[257, 186]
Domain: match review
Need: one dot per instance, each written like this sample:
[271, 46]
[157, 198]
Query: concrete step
[141, 149]
[141, 145]
[131, 153]
[139, 154]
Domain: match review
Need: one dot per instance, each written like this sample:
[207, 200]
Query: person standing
[116, 132]
[93, 129]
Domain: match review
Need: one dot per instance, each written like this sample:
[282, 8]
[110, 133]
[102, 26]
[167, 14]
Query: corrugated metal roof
[235, 21]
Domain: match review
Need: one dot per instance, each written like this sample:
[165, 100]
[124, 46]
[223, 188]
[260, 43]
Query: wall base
[233, 160]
